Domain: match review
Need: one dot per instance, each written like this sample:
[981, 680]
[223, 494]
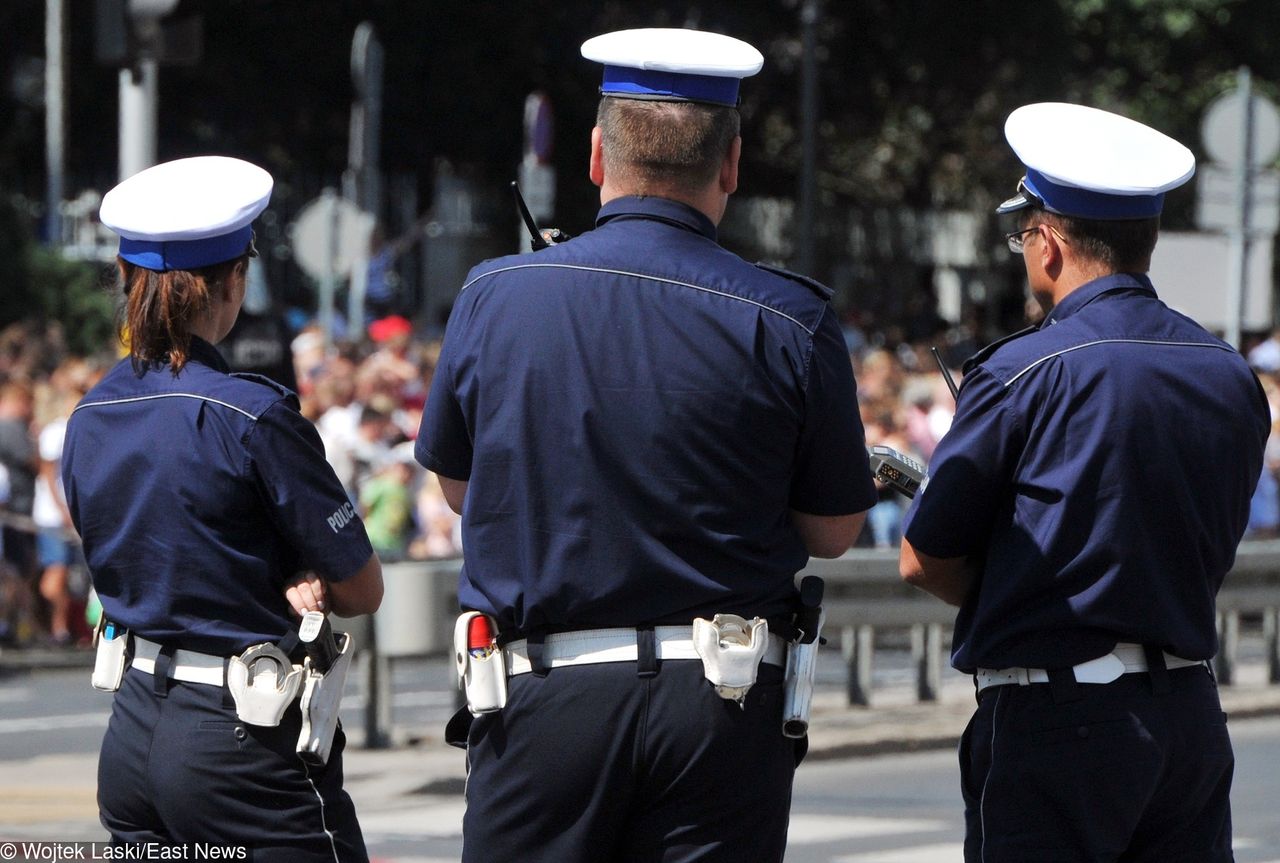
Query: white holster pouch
[321, 697]
[731, 648]
[482, 672]
[111, 656]
[797, 693]
[263, 682]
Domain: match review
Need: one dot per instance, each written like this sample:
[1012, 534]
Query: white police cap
[672, 64]
[187, 213]
[1092, 164]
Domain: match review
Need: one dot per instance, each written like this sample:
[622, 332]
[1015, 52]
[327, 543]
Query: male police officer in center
[1082, 511]
[641, 429]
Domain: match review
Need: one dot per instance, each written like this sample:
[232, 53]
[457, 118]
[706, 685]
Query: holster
[482, 677]
[263, 683]
[797, 692]
[802, 659]
[111, 657]
[731, 648]
[321, 698]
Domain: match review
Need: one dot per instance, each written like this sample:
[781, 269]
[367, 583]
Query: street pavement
[409, 796]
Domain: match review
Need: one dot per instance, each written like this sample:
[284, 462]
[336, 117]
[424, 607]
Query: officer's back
[646, 436]
[649, 377]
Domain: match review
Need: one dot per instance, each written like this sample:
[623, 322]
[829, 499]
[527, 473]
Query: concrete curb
[14, 659]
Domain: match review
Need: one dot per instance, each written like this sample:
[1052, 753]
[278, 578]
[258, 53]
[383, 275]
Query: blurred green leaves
[37, 284]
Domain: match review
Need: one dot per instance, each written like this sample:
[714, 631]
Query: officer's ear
[596, 168]
[1051, 251]
[729, 167]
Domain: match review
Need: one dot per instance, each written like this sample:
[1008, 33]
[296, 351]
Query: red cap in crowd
[389, 327]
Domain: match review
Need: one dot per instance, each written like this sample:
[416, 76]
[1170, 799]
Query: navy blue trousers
[1119, 774]
[182, 768]
[594, 763]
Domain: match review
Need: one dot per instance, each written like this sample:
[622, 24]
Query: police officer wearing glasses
[646, 437]
[1082, 512]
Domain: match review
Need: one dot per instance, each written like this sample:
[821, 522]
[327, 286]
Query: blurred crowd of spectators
[366, 397]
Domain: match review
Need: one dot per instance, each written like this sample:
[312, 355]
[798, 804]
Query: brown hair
[1119, 245]
[160, 307]
[664, 143]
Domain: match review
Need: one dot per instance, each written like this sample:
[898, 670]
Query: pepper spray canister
[482, 669]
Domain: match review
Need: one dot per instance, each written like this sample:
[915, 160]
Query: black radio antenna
[536, 240]
[946, 374]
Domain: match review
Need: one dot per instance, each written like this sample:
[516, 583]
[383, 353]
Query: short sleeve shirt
[1100, 469]
[198, 497]
[636, 411]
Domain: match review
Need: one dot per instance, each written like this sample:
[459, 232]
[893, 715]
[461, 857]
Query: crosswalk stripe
[809, 829]
[914, 854]
[435, 820]
[51, 723]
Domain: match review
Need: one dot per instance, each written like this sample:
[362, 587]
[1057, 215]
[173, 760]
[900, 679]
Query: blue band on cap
[186, 254]
[640, 83]
[1087, 204]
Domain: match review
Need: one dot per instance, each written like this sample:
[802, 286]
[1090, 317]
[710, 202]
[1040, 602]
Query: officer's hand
[306, 593]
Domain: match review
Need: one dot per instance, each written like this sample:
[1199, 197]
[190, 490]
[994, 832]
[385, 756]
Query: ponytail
[160, 308]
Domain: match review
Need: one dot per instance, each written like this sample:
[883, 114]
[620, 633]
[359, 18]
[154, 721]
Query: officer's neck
[709, 201]
[1074, 272]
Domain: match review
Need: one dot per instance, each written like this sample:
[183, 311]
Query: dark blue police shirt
[636, 411]
[198, 498]
[1102, 464]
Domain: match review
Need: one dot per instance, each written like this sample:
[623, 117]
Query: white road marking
[914, 854]
[53, 723]
[438, 819]
[808, 829]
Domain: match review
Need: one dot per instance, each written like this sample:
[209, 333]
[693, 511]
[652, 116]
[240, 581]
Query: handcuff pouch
[263, 682]
[731, 648]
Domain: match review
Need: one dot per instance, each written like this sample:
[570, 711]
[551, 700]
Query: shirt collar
[207, 355]
[1090, 291]
[660, 209]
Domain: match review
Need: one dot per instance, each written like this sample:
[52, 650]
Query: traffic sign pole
[330, 237]
[1240, 230]
[1238, 194]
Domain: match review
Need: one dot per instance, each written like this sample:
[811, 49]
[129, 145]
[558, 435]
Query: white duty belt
[1126, 658]
[184, 665]
[592, 646]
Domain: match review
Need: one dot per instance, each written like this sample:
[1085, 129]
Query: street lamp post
[139, 85]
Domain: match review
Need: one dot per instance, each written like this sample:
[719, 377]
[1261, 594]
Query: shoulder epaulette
[985, 354]
[266, 382]
[812, 284]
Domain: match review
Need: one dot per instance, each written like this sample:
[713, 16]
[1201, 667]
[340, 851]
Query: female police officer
[200, 495]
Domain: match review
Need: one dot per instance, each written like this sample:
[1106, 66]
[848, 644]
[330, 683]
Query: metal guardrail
[865, 594]
[864, 597]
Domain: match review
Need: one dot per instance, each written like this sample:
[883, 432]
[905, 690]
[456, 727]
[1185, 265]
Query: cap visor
[1017, 202]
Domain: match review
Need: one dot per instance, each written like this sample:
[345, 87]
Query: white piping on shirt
[640, 276]
[1009, 383]
[164, 396]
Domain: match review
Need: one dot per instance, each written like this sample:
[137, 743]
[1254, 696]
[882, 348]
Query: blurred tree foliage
[39, 285]
[914, 92]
